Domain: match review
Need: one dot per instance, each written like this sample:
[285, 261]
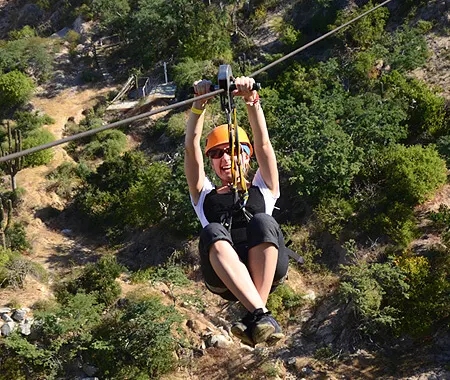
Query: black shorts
[262, 228]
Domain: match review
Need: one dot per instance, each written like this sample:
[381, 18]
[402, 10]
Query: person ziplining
[242, 250]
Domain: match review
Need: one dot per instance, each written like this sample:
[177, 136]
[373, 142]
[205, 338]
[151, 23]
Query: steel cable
[179, 104]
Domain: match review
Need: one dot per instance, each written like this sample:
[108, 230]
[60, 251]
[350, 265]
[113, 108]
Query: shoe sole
[262, 332]
[242, 336]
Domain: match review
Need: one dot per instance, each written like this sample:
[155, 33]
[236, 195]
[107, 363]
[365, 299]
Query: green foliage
[137, 342]
[365, 285]
[288, 34]
[424, 26]
[29, 121]
[441, 218]
[443, 147]
[35, 138]
[176, 126]
[26, 32]
[412, 174]
[308, 144]
[283, 303]
[14, 268]
[97, 279]
[305, 246]
[189, 70]
[170, 274]
[64, 332]
[366, 31]
[16, 238]
[66, 177]
[15, 89]
[107, 145]
[72, 37]
[29, 55]
[333, 213]
[426, 109]
[404, 295]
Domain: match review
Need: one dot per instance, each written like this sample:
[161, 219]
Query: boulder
[19, 315]
[219, 341]
[30, 14]
[8, 328]
[4, 310]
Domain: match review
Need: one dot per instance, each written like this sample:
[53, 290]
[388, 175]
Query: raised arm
[264, 152]
[193, 157]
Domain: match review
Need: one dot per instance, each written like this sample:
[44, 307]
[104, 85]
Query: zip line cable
[317, 40]
[182, 103]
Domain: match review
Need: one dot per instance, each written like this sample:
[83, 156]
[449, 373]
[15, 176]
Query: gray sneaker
[262, 326]
[277, 335]
[242, 332]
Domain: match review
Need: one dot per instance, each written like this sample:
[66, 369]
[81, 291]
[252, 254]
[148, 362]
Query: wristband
[253, 102]
[197, 111]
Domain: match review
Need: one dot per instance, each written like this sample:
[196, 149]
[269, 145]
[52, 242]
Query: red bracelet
[253, 102]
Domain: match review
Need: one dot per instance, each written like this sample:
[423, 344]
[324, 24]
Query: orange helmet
[219, 135]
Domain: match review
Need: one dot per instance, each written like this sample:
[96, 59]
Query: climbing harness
[225, 81]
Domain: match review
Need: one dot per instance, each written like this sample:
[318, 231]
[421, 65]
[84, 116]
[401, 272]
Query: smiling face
[222, 165]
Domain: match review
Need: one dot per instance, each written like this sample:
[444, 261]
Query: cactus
[5, 221]
[12, 167]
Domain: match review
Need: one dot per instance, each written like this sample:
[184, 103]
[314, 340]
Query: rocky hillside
[207, 349]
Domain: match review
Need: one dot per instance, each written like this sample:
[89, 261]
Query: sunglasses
[219, 152]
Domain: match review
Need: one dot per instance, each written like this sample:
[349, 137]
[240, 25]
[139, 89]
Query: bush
[364, 285]
[333, 214]
[107, 145]
[15, 89]
[283, 303]
[98, 279]
[149, 353]
[176, 126]
[412, 174]
[366, 31]
[16, 238]
[14, 268]
[443, 147]
[35, 138]
[29, 121]
[66, 177]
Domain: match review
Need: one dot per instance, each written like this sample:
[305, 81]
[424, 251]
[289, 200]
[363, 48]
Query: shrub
[365, 286]
[35, 138]
[333, 214]
[26, 32]
[29, 121]
[283, 303]
[137, 342]
[107, 144]
[15, 89]
[412, 174]
[98, 279]
[64, 332]
[171, 275]
[176, 126]
[366, 31]
[14, 268]
[443, 147]
[16, 238]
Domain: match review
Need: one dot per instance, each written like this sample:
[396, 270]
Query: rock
[8, 328]
[4, 310]
[30, 14]
[218, 341]
[19, 315]
[25, 328]
[67, 232]
[89, 370]
[310, 295]
[7, 318]
[291, 361]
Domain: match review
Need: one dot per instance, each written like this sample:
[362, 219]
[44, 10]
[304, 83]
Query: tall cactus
[12, 167]
[5, 220]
